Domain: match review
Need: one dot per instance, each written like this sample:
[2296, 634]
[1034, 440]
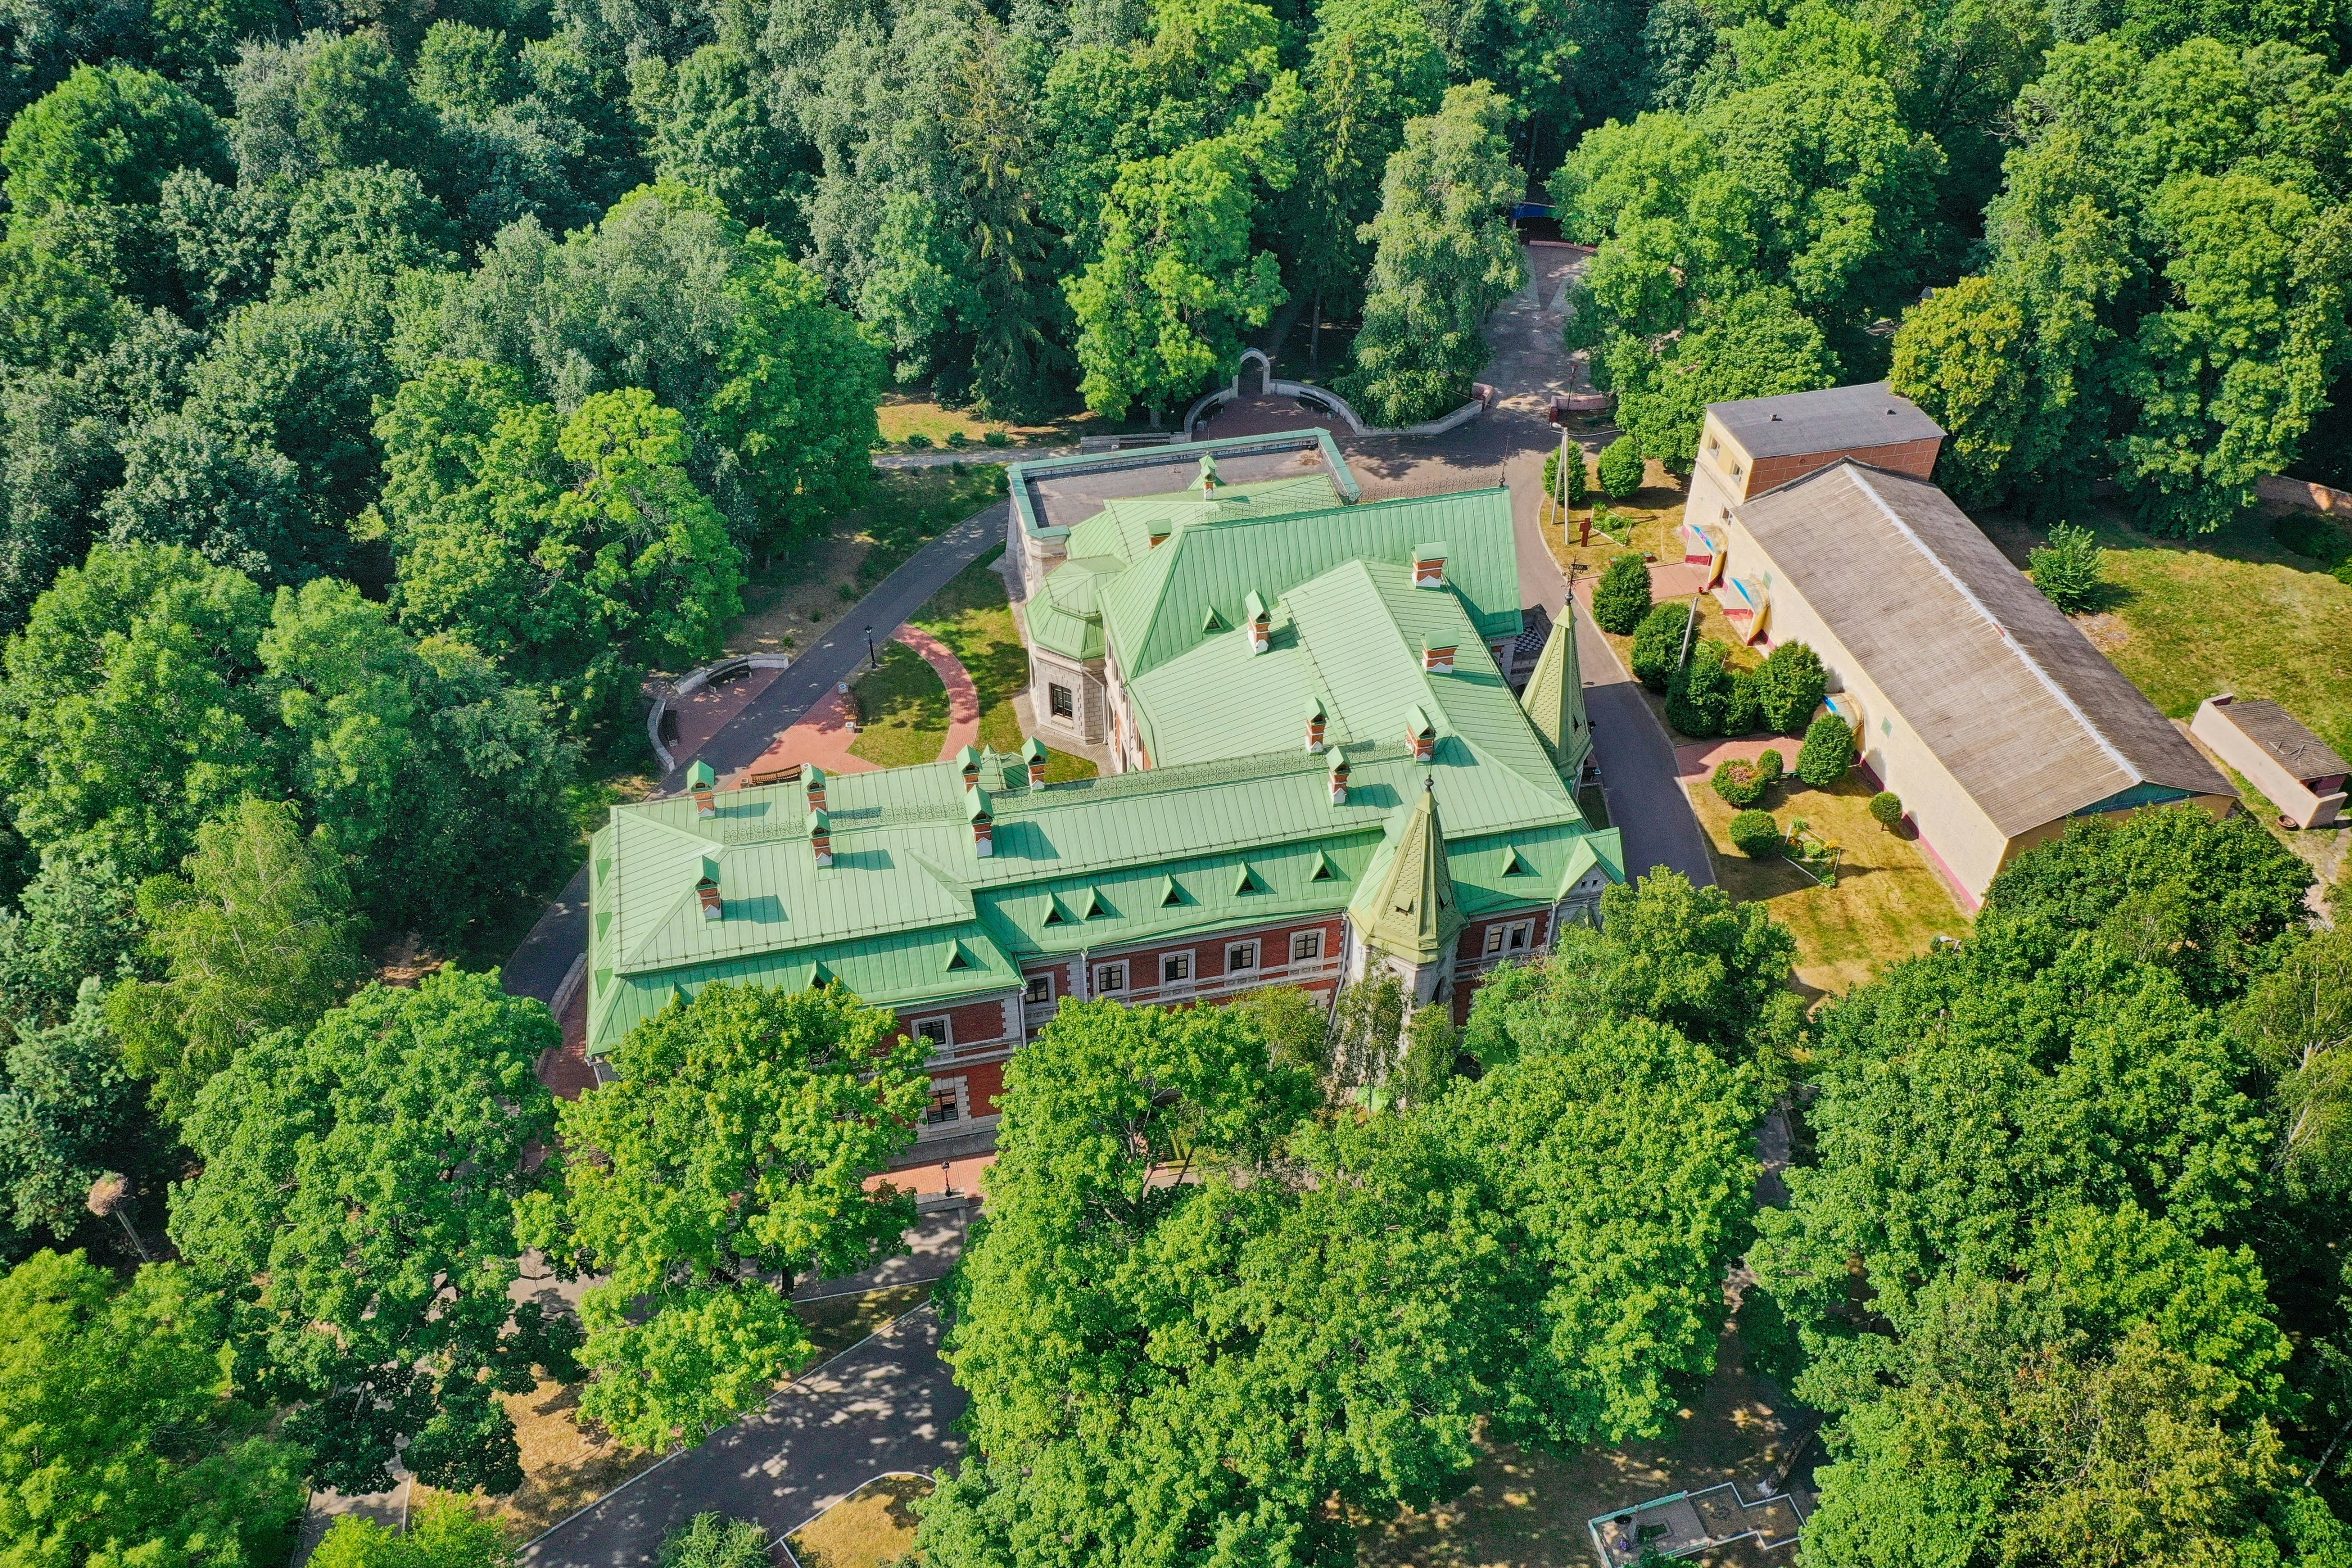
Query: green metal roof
[1406, 906]
[1066, 618]
[1126, 526]
[1155, 610]
[1554, 699]
[1018, 475]
[906, 879]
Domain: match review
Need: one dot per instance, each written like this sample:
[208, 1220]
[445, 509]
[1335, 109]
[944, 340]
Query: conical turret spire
[1554, 698]
[1409, 912]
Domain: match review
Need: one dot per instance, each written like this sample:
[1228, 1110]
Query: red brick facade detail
[1209, 953]
[1913, 457]
[1471, 960]
[970, 1023]
[983, 1083]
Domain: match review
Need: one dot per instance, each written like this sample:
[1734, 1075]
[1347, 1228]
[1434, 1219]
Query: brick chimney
[702, 783]
[1261, 624]
[1429, 565]
[1421, 732]
[813, 777]
[1316, 721]
[708, 888]
[1033, 753]
[1339, 776]
[984, 823]
[820, 828]
[1437, 656]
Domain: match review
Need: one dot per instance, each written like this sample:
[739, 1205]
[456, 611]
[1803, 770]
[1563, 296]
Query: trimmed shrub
[1756, 834]
[1699, 698]
[1791, 685]
[1658, 644]
[1746, 708]
[1828, 751]
[997, 438]
[1580, 489]
[957, 438]
[1740, 783]
[2067, 568]
[1622, 597]
[1770, 764]
[1887, 807]
[1621, 467]
[917, 440]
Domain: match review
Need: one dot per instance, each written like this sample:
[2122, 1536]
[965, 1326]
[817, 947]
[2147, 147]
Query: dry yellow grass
[1889, 901]
[872, 1526]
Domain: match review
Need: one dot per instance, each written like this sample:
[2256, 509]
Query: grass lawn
[1527, 1509]
[871, 1526]
[1887, 902]
[902, 414]
[2233, 611]
[567, 1465]
[971, 615]
[903, 710]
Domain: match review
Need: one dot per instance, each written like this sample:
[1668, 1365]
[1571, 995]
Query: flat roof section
[1835, 420]
[1054, 494]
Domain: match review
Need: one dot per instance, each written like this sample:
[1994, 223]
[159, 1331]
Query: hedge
[1622, 597]
[1756, 834]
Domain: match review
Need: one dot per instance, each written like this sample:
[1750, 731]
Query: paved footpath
[883, 1406]
[539, 964]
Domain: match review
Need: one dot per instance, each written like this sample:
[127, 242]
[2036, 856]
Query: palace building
[1321, 769]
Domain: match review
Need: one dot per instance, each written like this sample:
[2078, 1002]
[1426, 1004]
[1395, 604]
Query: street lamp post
[870, 657]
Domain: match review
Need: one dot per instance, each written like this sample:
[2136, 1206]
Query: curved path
[882, 1405]
[825, 734]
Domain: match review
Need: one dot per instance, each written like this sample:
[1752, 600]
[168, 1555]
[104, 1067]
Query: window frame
[958, 1108]
[1249, 964]
[944, 1040]
[1104, 986]
[1061, 701]
[1030, 985]
[1307, 946]
[1173, 961]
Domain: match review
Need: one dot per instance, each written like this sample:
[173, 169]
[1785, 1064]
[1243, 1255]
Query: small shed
[2297, 771]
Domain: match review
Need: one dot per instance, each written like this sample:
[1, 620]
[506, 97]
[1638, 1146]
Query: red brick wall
[1470, 960]
[1914, 457]
[969, 1023]
[1209, 953]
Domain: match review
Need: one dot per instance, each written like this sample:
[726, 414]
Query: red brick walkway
[824, 737]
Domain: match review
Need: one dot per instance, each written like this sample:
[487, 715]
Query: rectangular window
[1511, 938]
[1305, 945]
[1241, 955]
[933, 1031]
[1040, 989]
[1175, 966]
[945, 1105]
[1111, 977]
[1057, 697]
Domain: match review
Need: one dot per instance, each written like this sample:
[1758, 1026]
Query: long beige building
[1973, 697]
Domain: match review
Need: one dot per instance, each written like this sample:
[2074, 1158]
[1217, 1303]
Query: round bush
[1738, 782]
[957, 438]
[1770, 765]
[1828, 751]
[917, 440]
[1791, 685]
[997, 438]
[1698, 697]
[1658, 644]
[1622, 597]
[1746, 704]
[1756, 834]
[1887, 807]
[1621, 467]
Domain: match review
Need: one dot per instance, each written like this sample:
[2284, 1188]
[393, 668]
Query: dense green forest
[385, 389]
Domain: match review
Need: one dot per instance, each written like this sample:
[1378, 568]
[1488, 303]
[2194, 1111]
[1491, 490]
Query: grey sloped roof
[2282, 735]
[1835, 420]
[2029, 717]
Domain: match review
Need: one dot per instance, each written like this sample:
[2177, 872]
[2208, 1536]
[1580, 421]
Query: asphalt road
[538, 965]
[883, 1406]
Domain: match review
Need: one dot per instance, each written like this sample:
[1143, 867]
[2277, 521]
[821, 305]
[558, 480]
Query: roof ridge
[2049, 682]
